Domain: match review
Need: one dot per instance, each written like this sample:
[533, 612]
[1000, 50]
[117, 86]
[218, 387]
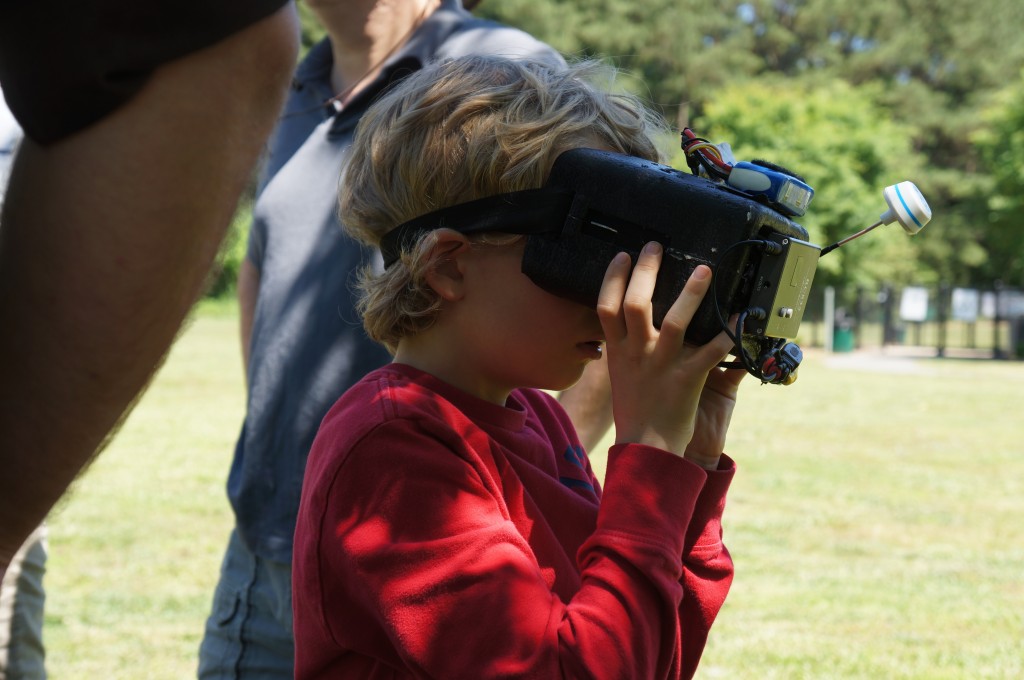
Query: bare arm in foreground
[107, 237]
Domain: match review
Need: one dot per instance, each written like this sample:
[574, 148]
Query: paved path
[895, 358]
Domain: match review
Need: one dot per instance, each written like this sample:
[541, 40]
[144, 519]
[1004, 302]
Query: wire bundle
[702, 155]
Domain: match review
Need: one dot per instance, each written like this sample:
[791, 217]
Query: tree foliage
[1001, 143]
[829, 134]
[853, 95]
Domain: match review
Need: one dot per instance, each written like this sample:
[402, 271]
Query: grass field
[877, 523]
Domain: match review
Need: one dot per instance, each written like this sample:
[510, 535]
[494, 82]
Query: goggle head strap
[532, 211]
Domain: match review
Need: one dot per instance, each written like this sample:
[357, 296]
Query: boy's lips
[593, 348]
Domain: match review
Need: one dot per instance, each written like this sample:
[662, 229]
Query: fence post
[941, 306]
[997, 320]
[829, 326]
[859, 307]
[888, 332]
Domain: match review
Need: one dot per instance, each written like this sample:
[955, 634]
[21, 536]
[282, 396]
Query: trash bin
[1017, 337]
[842, 340]
[842, 331]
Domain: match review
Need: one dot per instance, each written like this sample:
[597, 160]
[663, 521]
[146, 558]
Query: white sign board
[966, 304]
[1011, 304]
[988, 305]
[914, 304]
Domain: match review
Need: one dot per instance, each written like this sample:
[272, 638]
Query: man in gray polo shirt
[302, 340]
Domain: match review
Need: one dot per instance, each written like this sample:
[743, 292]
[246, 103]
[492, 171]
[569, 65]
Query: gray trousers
[249, 632]
[21, 612]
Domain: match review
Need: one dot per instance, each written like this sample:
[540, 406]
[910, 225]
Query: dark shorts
[65, 65]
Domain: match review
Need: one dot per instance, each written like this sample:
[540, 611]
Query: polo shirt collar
[420, 48]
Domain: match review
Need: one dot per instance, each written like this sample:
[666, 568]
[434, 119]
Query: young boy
[451, 525]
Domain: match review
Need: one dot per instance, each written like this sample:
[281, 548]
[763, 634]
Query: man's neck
[364, 34]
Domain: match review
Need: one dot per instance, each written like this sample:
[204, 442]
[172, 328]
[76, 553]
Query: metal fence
[949, 321]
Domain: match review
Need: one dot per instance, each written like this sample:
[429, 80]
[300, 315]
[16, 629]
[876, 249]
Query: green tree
[938, 61]
[311, 32]
[835, 137]
[928, 64]
[919, 75]
[1002, 147]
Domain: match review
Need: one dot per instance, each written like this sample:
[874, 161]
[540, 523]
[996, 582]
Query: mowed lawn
[877, 523]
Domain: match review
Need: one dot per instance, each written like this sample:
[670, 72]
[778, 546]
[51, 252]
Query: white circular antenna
[906, 206]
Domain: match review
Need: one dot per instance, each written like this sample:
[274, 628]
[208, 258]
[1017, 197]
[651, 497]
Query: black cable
[712, 169]
[744, 356]
[828, 249]
[697, 159]
[745, 361]
[768, 246]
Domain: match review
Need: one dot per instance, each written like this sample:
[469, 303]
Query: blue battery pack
[785, 193]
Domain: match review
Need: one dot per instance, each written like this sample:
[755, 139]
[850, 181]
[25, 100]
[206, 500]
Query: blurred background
[852, 96]
[876, 519]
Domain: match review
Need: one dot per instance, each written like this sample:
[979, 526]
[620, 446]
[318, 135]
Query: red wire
[691, 139]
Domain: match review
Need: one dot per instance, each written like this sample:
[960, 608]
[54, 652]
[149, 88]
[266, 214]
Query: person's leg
[249, 631]
[22, 598]
[106, 238]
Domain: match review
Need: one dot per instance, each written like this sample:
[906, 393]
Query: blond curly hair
[463, 129]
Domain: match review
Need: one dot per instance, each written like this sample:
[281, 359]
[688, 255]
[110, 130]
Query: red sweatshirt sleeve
[421, 567]
[663, 515]
[707, 566]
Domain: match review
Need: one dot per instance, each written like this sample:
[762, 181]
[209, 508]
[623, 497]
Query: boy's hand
[714, 412]
[661, 393]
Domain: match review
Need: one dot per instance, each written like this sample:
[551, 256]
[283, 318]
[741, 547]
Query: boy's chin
[569, 380]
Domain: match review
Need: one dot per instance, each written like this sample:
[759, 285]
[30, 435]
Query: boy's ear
[445, 276]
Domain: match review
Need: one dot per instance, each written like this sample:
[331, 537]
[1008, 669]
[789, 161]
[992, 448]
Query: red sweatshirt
[443, 536]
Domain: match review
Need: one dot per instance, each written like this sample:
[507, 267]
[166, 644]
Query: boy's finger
[733, 376]
[717, 348]
[680, 314]
[637, 302]
[609, 299]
